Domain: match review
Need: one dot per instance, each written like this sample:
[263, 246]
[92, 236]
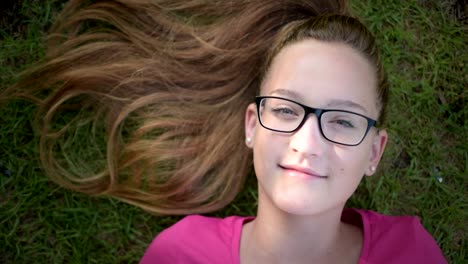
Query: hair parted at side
[143, 100]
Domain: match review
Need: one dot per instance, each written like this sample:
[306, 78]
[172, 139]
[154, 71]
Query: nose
[308, 139]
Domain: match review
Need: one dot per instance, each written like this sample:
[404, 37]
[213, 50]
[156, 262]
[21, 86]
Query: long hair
[143, 100]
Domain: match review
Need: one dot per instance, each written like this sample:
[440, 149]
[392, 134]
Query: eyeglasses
[338, 126]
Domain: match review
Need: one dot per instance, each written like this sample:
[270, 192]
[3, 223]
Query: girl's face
[302, 172]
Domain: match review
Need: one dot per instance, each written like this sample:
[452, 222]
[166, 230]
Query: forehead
[323, 74]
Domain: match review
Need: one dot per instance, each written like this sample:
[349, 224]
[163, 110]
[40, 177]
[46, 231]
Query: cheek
[348, 171]
[263, 151]
[268, 149]
[352, 161]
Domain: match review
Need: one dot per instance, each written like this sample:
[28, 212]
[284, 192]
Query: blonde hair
[144, 100]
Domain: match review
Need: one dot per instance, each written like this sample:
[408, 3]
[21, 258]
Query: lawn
[424, 44]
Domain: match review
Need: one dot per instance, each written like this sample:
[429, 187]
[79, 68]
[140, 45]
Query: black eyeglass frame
[317, 112]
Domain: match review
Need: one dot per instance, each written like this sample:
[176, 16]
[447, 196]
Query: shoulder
[196, 239]
[397, 239]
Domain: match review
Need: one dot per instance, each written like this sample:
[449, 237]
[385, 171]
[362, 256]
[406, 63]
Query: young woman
[314, 131]
[300, 82]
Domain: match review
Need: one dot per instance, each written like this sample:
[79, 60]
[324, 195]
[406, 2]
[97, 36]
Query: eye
[284, 111]
[344, 123]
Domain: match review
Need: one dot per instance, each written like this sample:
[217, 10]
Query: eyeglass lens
[337, 126]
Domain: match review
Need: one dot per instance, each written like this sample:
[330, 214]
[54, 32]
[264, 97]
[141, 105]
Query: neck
[280, 237]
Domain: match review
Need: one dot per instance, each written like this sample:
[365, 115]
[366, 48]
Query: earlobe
[378, 147]
[250, 124]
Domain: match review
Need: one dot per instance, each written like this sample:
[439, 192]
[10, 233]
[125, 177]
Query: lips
[295, 170]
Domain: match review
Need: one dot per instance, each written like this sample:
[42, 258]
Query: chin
[298, 205]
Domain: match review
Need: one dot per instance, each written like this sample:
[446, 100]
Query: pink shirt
[200, 239]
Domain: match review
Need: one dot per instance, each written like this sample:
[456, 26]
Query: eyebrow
[331, 103]
[288, 93]
[346, 103]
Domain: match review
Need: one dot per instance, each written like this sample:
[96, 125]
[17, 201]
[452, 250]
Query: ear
[378, 147]
[250, 124]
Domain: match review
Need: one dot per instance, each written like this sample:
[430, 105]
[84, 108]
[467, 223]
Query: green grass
[424, 46]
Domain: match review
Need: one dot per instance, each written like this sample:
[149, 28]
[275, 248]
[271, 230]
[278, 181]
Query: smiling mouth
[295, 171]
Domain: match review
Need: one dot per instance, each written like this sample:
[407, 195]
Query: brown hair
[144, 100]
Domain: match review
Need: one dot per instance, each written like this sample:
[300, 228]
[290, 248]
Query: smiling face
[302, 172]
